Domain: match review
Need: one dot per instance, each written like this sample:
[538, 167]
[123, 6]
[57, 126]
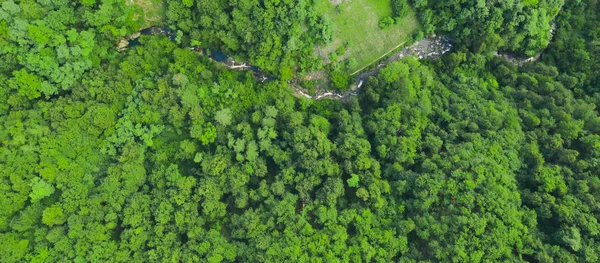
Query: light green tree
[40, 189]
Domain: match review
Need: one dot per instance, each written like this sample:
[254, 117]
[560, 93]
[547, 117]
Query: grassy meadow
[356, 24]
[152, 11]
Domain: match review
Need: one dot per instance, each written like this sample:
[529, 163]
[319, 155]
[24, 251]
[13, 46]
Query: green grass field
[151, 11]
[356, 22]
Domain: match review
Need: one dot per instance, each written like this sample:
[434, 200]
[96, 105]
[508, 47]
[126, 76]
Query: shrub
[386, 22]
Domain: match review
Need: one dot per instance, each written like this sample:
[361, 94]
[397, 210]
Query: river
[430, 47]
[427, 48]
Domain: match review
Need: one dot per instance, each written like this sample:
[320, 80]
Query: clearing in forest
[356, 24]
[152, 11]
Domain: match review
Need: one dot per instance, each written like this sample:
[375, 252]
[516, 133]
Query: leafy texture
[157, 154]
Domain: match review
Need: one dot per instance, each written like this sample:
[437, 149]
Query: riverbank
[427, 48]
[519, 61]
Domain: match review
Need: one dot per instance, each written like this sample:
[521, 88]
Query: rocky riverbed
[427, 48]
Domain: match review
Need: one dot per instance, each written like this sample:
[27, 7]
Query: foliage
[519, 26]
[49, 45]
[158, 154]
[400, 9]
[353, 181]
[268, 34]
[386, 22]
[339, 78]
[39, 189]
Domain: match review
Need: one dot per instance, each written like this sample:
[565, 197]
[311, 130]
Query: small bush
[386, 22]
[333, 57]
[339, 79]
[351, 63]
[341, 51]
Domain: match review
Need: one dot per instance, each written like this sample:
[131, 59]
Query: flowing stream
[430, 47]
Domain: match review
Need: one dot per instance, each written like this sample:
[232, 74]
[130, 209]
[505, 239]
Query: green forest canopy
[157, 154]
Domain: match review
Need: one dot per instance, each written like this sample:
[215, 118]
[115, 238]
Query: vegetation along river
[426, 48]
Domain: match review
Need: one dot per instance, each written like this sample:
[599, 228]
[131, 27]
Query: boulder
[134, 36]
[122, 44]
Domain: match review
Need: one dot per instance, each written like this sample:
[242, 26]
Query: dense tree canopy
[274, 35]
[522, 26]
[48, 45]
[157, 154]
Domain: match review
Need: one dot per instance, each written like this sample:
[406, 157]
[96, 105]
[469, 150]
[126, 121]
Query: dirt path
[319, 74]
